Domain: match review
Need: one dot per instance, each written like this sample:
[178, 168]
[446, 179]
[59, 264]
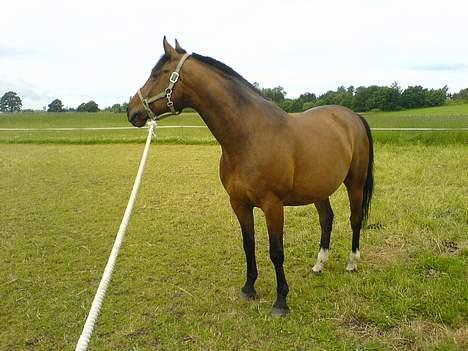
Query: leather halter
[167, 93]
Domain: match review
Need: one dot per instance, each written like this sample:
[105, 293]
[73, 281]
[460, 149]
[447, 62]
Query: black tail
[369, 185]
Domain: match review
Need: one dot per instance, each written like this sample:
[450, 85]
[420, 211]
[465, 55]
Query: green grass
[446, 110]
[451, 116]
[176, 284]
[98, 120]
[85, 120]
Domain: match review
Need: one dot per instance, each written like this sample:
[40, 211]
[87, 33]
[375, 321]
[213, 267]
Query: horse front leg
[274, 214]
[244, 215]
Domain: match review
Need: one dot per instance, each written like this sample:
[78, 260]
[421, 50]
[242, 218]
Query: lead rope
[88, 328]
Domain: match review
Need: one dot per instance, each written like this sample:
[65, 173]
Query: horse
[269, 159]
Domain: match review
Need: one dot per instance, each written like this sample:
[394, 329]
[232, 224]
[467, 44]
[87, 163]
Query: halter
[167, 93]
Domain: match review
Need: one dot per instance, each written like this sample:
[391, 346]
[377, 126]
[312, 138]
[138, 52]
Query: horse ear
[168, 49]
[178, 48]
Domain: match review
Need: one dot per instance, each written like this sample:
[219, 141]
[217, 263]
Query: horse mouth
[139, 124]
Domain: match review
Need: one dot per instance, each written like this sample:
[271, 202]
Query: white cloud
[104, 50]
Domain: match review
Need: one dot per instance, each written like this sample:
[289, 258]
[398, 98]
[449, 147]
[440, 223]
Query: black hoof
[316, 272]
[279, 312]
[248, 296]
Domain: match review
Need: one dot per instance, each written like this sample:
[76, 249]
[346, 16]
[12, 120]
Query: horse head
[158, 96]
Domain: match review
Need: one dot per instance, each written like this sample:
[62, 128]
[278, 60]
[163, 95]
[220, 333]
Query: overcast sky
[104, 50]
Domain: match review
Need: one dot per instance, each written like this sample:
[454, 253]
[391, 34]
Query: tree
[413, 97]
[383, 98]
[461, 95]
[56, 106]
[436, 97]
[116, 108]
[90, 106]
[396, 87]
[10, 102]
[276, 94]
[124, 106]
[341, 96]
[291, 105]
[81, 107]
[308, 97]
[361, 94]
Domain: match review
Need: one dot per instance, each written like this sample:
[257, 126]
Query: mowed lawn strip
[451, 116]
[177, 280]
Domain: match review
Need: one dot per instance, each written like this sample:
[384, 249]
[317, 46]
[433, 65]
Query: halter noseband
[167, 93]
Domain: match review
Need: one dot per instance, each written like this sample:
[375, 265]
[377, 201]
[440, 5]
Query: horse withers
[270, 159]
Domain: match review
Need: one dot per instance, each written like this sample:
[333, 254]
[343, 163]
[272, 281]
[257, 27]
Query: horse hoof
[248, 296]
[314, 272]
[279, 312]
[351, 269]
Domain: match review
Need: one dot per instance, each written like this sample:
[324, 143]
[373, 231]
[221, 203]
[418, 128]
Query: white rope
[82, 344]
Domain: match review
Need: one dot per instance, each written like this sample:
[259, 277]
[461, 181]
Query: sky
[104, 50]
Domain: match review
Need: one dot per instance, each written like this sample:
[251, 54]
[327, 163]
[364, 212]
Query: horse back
[329, 130]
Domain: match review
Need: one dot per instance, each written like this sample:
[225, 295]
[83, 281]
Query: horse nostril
[134, 117]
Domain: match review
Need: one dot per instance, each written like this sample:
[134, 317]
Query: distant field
[447, 110]
[98, 120]
[85, 120]
[452, 116]
[177, 280]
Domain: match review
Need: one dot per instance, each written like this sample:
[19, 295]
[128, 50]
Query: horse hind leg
[326, 221]
[355, 194]
[360, 185]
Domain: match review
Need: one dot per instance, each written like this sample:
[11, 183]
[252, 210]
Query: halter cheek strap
[167, 93]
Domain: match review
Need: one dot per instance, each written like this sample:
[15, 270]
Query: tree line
[11, 102]
[361, 99]
[90, 106]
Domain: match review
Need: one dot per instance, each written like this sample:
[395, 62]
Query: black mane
[227, 70]
[162, 60]
[211, 62]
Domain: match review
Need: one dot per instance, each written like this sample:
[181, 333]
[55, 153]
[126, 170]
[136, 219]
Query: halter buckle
[174, 77]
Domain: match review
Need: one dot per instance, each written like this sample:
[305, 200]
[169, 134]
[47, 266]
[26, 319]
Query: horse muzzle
[137, 119]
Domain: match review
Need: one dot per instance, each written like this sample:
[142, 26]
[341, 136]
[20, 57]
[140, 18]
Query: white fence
[175, 126]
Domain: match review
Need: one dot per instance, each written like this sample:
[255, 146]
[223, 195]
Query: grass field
[452, 116]
[177, 280]
[176, 284]
[97, 120]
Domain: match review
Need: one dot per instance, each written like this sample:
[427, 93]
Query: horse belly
[319, 171]
[318, 184]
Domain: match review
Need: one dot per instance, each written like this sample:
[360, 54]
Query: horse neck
[232, 111]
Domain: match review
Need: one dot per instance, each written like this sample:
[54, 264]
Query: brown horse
[269, 158]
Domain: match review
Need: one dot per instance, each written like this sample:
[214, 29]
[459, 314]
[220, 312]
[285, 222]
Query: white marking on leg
[322, 257]
[353, 261]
